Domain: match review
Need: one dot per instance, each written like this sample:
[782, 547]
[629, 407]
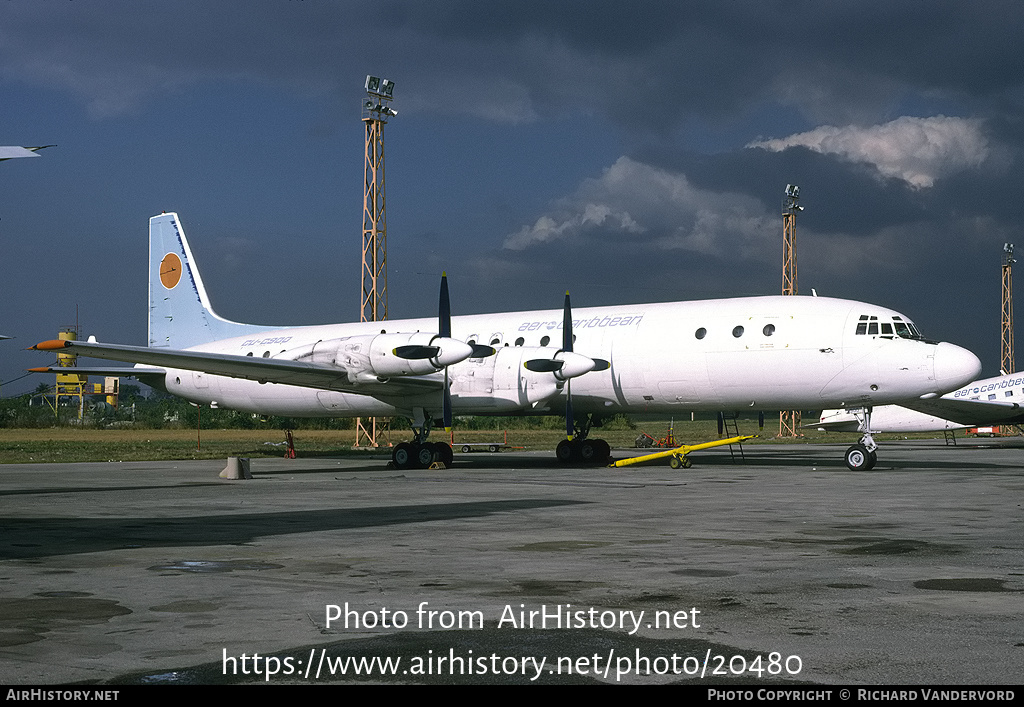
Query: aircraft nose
[955, 366]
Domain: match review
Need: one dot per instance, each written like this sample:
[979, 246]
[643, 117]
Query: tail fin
[180, 315]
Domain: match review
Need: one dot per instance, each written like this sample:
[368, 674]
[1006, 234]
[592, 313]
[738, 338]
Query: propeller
[444, 329]
[442, 350]
[566, 365]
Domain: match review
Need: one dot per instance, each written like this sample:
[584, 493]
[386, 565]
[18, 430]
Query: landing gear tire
[588, 451]
[594, 451]
[444, 454]
[858, 458]
[402, 455]
[567, 452]
[425, 455]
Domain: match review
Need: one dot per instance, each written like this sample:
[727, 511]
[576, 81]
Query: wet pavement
[510, 569]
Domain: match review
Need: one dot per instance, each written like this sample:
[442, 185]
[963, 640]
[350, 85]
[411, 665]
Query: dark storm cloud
[678, 207]
[643, 65]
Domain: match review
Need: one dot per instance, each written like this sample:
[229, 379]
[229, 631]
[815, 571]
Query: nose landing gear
[862, 456]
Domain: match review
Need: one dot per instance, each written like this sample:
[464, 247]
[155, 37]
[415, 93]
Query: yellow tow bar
[677, 456]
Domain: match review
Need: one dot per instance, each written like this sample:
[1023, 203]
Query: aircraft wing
[11, 152]
[150, 376]
[264, 370]
[970, 412]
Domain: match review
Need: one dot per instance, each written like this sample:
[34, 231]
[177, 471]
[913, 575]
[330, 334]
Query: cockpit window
[871, 325]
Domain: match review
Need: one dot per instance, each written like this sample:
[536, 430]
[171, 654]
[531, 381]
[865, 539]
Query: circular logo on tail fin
[170, 271]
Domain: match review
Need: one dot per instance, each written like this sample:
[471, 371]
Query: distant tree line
[158, 410]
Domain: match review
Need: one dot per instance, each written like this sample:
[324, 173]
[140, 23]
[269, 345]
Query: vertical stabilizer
[180, 315]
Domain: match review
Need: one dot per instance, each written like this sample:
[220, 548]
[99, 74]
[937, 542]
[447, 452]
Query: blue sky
[627, 152]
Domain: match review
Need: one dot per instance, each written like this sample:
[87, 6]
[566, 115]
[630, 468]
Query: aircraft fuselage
[758, 353]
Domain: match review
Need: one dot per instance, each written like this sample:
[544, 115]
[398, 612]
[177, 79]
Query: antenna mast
[789, 420]
[1006, 364]
[374, 299]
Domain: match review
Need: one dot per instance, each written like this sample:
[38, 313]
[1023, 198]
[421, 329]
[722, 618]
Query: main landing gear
[419, 453]
[580, 449]
[862, 456]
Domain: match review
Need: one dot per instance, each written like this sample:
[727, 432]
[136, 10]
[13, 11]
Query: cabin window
[701, 333]
[545, 340]
[520, 341]
[769, 329]
[737, 332]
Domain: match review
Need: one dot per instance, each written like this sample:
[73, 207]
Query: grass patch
[73, 444]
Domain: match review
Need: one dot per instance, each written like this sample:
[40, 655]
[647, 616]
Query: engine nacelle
[372, 357]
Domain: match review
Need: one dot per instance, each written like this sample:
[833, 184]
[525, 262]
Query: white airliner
[992, 401]
[754, 354]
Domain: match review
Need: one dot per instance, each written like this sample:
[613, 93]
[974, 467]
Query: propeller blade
[444, 330]
[601, 365]
[415, 352]
[444, 310]
[483, 351]
[567, 325]
[543, 365]
[570, 424]
[446, 405]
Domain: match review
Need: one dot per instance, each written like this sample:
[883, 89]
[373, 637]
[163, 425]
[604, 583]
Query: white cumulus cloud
[916, 150]
[637, 202]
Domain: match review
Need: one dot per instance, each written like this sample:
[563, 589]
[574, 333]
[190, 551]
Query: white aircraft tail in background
[751, 354]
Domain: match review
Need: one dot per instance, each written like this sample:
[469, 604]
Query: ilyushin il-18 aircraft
[743, 354]
[992, 401]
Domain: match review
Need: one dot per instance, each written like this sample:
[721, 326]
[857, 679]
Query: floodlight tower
[789, 420]
[1006, 364]
[373, 304]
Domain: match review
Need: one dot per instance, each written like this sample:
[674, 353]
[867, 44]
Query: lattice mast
[373, 301]
[789, 420]
[1006, 364]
